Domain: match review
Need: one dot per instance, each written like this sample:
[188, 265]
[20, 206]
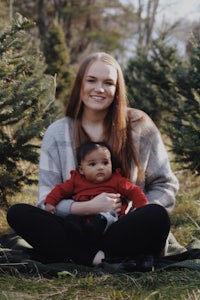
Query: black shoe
[143, 263]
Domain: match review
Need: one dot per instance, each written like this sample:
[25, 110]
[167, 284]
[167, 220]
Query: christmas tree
[151, 80]
[184, 129]
[26, 97]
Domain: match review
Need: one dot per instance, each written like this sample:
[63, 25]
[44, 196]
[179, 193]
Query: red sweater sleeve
[61, 191]
[132, 192]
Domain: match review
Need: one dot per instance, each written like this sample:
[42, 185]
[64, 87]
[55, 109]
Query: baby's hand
[50, 208]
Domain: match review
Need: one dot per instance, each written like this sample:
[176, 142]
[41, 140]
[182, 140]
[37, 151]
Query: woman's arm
[160, 184]
[104, 202]
[56, 160]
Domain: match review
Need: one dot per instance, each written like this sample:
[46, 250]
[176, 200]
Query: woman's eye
[109, 83]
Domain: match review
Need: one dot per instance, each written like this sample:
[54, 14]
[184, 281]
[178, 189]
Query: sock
[98, 258]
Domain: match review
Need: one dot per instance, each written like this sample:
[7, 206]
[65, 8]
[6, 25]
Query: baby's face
[97, 165]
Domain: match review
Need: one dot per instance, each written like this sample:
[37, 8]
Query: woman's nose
[99, 87]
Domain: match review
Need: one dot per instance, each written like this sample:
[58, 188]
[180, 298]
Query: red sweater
[79, 189]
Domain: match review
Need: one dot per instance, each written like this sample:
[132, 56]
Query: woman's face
[99, 86]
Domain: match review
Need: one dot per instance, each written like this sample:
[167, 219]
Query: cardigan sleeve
[56, 160]
[160, 184]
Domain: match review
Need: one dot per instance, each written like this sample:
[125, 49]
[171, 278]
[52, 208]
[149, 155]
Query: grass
[166, 285]
[176, 284]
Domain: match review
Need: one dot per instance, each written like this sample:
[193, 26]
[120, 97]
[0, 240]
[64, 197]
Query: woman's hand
[104, 202]
[50, 208]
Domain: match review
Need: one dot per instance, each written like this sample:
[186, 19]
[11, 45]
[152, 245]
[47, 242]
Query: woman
[97, 110]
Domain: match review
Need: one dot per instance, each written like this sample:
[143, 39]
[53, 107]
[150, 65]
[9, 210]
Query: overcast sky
[174, 9]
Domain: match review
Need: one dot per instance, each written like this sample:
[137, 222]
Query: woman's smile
[97, 98]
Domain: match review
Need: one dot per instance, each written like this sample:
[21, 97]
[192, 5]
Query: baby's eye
[92, 164]
[105, 163]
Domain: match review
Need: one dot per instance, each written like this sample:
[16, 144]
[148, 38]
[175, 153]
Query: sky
[172, 11]
[175, 9]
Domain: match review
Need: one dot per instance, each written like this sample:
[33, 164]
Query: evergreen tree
[184, 129]
[26, 95]
[152, 80]
[58, 60]
[168, 89]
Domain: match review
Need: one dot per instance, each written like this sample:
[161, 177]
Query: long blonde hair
[117, 127]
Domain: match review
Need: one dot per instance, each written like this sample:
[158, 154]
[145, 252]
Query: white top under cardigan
[57, 159]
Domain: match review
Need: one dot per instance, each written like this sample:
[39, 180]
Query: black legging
[143, 231]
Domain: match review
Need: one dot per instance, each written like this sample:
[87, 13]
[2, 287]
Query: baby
[93, 176]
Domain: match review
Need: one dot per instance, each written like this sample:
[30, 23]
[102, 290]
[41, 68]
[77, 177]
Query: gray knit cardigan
[57, 159]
